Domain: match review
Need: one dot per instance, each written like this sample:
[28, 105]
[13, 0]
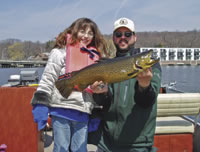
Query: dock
[180, 63]
[33, 64]
[21, 64]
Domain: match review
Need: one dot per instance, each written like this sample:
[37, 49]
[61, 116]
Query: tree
[15, 49]
[49, 45]
[16, 52]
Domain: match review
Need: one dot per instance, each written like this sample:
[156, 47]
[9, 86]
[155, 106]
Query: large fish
[108, 71]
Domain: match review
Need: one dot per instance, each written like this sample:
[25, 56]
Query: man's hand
[144, 78]
[99, 87]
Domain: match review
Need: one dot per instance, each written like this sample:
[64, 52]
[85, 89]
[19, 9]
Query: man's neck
[131, 51]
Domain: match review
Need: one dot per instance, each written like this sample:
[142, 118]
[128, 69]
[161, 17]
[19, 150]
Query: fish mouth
[146, 62]
[138, 66]
[153, 60]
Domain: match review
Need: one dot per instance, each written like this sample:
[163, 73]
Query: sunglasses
[126, 34]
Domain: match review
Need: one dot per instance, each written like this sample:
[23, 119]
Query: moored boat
[26, 77]
[170, 88]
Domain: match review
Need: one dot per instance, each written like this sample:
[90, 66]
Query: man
[129, 124]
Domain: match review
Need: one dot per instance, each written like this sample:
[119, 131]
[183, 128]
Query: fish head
[145, 60]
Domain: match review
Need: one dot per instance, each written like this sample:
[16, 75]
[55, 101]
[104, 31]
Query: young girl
[72, 52]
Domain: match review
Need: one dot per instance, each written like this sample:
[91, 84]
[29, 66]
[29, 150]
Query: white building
[175, 54]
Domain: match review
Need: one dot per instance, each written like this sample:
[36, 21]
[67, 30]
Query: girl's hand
[99, 87]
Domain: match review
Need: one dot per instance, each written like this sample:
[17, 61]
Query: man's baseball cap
[124, 22]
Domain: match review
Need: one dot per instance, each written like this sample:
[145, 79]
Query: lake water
[186, 77]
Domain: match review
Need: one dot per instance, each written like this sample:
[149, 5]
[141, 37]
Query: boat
[26, 77]
[183, 124]
[13, 80]
[170, 88]
[176, 130]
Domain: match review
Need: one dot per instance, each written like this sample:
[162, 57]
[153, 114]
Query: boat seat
[178, 104]
[173, 125]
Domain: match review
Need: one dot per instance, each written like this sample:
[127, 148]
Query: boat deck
[168, 132]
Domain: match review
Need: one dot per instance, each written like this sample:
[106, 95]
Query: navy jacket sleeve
[40, 115]
[148, 96]
[40, 111]
[145, 98]
[103, 101]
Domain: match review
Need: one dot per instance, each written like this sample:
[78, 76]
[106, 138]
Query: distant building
[40, 57]
[176, 54]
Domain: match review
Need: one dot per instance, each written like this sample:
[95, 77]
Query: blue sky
[42, 20]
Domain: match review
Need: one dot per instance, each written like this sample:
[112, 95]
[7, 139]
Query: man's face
[123, 39]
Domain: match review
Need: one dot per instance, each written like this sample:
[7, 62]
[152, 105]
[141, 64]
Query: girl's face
[85, 36]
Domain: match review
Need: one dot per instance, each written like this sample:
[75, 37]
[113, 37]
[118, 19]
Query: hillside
[15, 49]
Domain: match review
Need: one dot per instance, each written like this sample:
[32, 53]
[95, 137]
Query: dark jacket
[130, 120]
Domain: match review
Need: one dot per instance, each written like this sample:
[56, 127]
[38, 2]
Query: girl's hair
[82, 23]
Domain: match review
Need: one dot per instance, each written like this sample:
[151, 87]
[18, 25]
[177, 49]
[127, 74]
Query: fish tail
[64, 87]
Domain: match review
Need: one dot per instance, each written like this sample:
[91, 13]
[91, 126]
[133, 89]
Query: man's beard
[125, 50]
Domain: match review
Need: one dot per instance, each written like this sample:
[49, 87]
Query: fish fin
[64, 87]
[104, 59]
[67, 75]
